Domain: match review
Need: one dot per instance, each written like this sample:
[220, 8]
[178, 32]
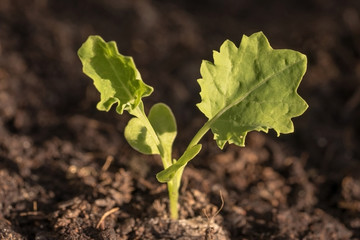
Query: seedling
[250, 87]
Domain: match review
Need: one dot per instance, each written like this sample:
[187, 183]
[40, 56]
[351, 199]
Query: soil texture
[66, 171]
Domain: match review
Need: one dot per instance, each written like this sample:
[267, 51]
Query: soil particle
[6, 232]
[317, 225]
[185, 229]
[108, 234]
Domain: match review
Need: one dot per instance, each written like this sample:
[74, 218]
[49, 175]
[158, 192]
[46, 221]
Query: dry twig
[111, 211]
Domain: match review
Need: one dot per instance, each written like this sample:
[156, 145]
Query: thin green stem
[202, 131]
[173, 189]
[174, 184]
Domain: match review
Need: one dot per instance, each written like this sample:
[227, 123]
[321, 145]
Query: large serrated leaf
[253, 87]
[115, 76]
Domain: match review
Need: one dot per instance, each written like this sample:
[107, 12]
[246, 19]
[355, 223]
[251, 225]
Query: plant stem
[174, 184]
[202, 131]
[173, 189]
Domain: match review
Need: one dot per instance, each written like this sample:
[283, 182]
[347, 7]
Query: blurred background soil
[63, 164]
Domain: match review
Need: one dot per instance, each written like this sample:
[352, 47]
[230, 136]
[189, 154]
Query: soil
[66, 171]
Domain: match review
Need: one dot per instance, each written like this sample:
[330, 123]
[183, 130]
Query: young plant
[250, 87]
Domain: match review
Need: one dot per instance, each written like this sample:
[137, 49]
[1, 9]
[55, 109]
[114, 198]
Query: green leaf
[115, 76]
[168, 174]
[253, 87]
[162, 121]
[139, 136]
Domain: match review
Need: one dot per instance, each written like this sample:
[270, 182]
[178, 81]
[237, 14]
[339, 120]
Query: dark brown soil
[64, 165]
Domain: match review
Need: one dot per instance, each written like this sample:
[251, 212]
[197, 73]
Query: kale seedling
[250, 87]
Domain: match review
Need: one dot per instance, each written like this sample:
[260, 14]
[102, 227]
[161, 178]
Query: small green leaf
[162, 122]
[139, 137]
[253, 87]
[115, 76]
[167, 174]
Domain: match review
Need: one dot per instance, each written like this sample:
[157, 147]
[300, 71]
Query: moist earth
[66, 171]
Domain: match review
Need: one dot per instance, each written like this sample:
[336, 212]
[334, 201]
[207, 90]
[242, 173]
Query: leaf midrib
[116, 74]
[241, 98]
